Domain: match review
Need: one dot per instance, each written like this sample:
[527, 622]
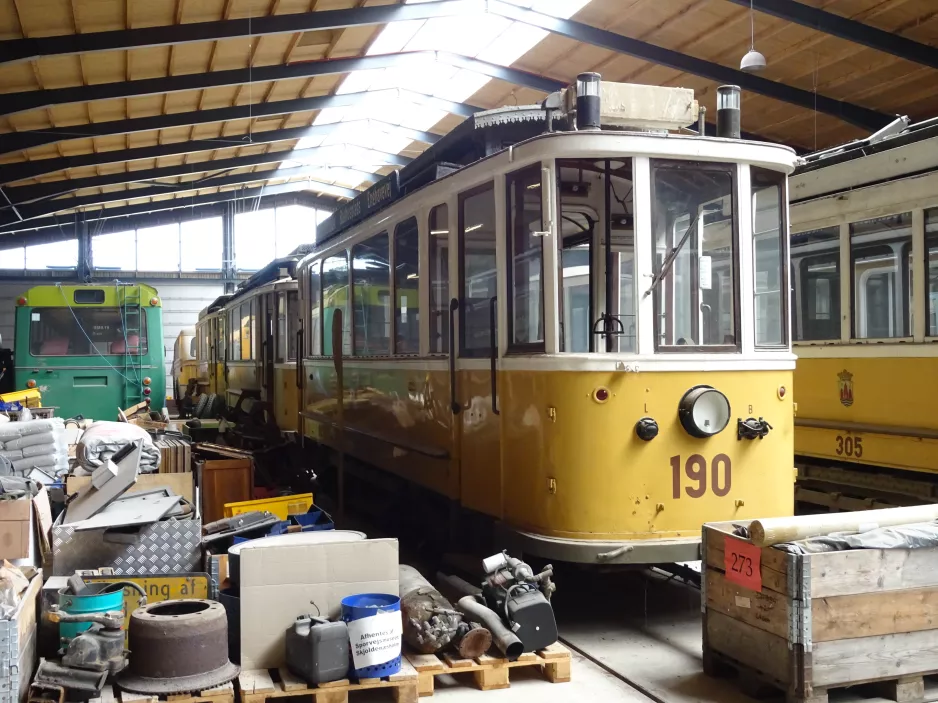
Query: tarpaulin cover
[917, 536]
[103, 439]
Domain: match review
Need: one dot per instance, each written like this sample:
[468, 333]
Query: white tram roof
[900, 149]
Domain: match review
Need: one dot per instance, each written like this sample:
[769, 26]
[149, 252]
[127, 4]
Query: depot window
[695, 227]
[881, 262]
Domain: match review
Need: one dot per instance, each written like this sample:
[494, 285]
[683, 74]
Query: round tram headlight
[704, 411]
[147, 391]
[31, 383]
[21, 301]
[147, 381]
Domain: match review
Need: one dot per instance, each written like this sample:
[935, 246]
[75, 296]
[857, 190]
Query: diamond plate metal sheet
[168, 547]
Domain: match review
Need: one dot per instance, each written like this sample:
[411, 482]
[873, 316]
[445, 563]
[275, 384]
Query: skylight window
[483, 35]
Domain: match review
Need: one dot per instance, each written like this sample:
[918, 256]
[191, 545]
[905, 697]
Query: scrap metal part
[178, 646]
[430, 621]
[53, 677]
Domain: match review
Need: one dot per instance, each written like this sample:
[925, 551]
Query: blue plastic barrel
[368, 605]
[110, 598]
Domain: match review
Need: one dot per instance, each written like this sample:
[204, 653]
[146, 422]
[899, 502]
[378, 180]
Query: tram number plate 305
[743, 564]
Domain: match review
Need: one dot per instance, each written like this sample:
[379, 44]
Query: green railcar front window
[87, 332]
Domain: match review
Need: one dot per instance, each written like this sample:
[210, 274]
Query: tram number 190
[695, 468]
[849, 446]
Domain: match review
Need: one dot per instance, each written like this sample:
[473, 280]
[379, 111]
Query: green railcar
[91, 349]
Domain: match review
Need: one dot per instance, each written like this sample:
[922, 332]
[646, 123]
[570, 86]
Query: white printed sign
[376, 639]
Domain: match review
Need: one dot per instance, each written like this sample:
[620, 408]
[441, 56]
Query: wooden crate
[220, 694]
[823, 621]
[489, 672]
[260, 685]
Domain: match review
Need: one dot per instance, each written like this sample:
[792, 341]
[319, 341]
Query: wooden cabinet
[224, 481]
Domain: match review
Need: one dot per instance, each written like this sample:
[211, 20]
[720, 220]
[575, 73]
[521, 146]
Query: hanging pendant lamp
[753, 61]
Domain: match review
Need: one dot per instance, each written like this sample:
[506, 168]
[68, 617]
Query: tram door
[477, 422]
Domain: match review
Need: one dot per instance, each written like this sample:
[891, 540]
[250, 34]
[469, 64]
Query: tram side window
[406, 288]
[881, 256]
[84, 332]
[234, 329]
[815, 263]
[526, 259]
[439, 279]
[694, 229]
[335, 296]
[281, 326]
[222, 342]
[478, 280]
[931, 262]
[371, 296]
[246, 329]
[768, 255]
[293, 312]
[315, 326]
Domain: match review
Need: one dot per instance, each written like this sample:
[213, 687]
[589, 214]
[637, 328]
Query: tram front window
[596, 317]
[694, 230]
[85, 332]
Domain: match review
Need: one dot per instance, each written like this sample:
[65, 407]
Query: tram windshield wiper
[672, 255]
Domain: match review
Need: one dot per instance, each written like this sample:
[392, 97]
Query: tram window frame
[781, 183]
[730, 170]
[346, 321]
[904, 269]
[246, 331]
[234, 331]
[931, 242]
[406, 229]
[482, 351]
[77, 322]
[798, 280]
[315, 309]
[438, 318]
[293, 307]
[221, 327]
[363, 327]
[524, 178]
[281, 325]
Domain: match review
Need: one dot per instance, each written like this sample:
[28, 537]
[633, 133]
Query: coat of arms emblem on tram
[846, 387]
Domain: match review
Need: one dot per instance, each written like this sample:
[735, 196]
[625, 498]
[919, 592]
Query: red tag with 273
[743, 564]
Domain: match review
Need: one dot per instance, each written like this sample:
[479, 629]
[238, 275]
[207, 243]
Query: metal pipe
[504, 638]
[458, 585]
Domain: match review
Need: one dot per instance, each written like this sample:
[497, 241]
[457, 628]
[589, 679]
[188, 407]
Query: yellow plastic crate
[282, 507]
[28, 397]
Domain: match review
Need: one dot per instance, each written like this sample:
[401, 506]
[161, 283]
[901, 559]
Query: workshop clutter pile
[33, 449]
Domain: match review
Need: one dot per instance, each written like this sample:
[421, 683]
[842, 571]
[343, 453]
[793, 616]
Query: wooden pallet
[756, 684]
[220, 694]
[260, 685]
[490, 672]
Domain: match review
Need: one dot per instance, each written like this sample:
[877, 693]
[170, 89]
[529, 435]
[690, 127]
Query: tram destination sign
[380, 195]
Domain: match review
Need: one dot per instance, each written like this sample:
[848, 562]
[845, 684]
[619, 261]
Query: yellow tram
[248, 347]
[581, 335]
[864, 267]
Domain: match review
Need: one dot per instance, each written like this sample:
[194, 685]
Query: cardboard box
[278, 583]
[15, 528]
[182, 484]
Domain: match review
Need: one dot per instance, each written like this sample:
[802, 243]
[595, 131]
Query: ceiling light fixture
[473, 228]
[753, 61]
